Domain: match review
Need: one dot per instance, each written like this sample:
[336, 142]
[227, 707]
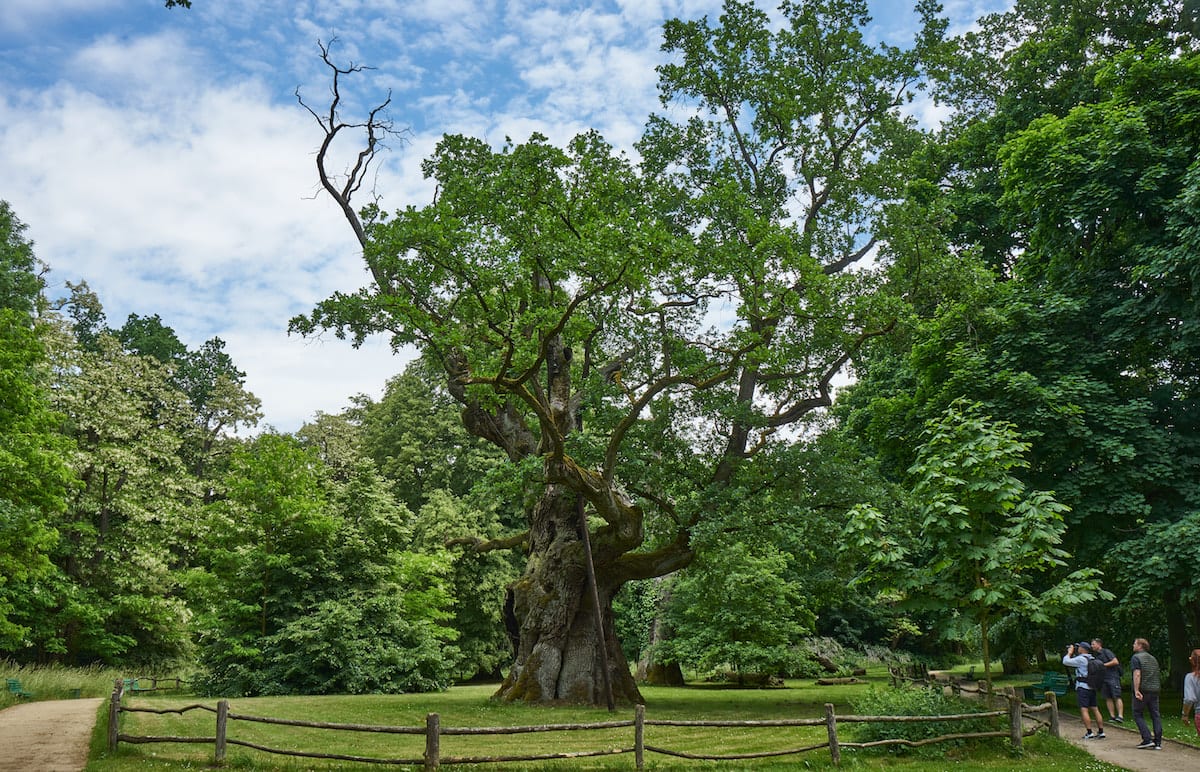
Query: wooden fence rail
[432, 759]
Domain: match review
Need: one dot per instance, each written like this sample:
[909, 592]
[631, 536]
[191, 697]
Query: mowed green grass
[470, 706]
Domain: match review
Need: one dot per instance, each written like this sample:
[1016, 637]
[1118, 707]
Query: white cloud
[964, 14]
[302, 377]
[191, 200]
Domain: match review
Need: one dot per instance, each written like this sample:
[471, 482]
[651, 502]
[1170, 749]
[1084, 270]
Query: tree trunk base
[658, 674]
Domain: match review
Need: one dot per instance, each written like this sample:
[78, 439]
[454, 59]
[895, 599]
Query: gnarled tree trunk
[559, 656]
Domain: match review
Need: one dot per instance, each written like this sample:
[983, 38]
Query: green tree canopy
[307, 585]
[35, 479]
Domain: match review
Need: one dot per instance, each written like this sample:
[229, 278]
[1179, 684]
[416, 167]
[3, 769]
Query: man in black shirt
[1111, 691]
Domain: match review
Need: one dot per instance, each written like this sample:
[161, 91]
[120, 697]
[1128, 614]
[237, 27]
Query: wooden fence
[1017, 712]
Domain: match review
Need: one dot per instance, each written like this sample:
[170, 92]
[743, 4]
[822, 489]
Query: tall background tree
[35, 479]
[1048, 276]
[975, 537]
[126, 420]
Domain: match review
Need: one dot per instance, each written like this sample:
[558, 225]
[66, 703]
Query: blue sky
[161, 156]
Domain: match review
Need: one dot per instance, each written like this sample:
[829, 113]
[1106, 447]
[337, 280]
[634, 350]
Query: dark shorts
[1085, 697]
[1111, 689]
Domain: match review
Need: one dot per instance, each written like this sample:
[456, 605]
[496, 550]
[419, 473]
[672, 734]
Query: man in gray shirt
[1147, 684]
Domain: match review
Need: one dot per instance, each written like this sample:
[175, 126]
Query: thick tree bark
[558, 655]
[656, 673]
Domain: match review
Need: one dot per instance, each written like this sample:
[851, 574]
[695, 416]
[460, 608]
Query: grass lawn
[466, 706]
[58, 683]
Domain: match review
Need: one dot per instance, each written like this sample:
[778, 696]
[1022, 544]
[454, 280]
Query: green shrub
[916, 701]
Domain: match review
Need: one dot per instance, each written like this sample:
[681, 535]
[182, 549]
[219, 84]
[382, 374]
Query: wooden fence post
[640, 736]
[114, 717]
[1014, 719]
[1053, 699]
[835, 750]
[433, 741]
[222, 730]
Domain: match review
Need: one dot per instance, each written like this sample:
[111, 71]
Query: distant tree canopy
[975, 538]
[137, 530]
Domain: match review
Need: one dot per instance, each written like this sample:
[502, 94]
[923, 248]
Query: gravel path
[1118, 748]
[48, 736]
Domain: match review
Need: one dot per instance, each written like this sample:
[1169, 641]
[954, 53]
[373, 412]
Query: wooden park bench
[1058, 683]
[138, 686]
[18, 691]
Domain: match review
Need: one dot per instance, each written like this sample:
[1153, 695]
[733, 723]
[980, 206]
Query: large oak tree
[633, 335]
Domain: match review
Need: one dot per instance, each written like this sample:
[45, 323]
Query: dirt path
[1118, 748]
[49, 736]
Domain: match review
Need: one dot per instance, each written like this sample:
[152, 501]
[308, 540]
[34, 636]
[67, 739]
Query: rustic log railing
[433, 731]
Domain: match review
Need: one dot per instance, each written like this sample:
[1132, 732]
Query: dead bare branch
[376, 127]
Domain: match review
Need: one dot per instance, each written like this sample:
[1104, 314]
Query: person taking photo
[1078, 655]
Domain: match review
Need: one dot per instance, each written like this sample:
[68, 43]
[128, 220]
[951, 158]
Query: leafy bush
[736, 609]
[306, 585]
[361, 643]
[810, 654]
[919, 702]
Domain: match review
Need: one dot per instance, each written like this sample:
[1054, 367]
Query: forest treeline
[140, 530]
[1015, 464]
